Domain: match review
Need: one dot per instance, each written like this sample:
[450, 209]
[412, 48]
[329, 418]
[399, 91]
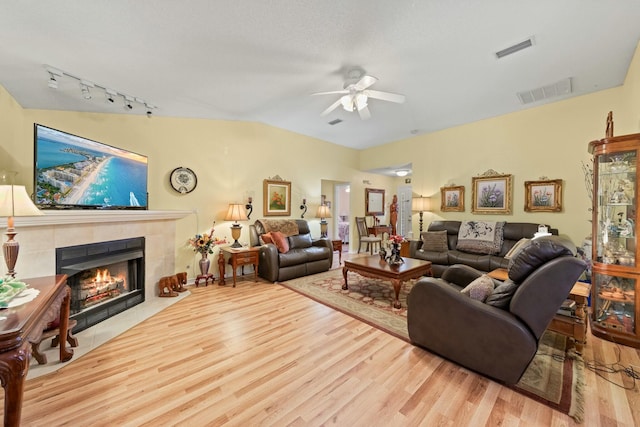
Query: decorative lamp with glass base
[322, 213]
[14, 201]
[236, 212]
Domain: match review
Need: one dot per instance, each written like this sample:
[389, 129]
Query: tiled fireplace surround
[40, 236]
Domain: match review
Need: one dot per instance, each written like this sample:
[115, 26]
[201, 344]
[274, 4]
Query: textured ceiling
[260, 60]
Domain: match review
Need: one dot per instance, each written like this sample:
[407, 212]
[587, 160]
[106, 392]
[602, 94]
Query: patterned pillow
[480, 288]
[480, 237]
[281, 241]
[434, 241]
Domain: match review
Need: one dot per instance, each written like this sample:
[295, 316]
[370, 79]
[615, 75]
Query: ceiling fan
[356, 94]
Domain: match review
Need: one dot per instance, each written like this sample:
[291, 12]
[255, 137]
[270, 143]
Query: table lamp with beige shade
[14, 201]
[322, 213]
[421, 205]
[236, 212]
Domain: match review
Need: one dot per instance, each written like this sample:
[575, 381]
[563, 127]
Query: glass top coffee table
[376, 268]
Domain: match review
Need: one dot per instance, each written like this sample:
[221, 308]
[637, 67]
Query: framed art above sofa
[491, 193]
[277, 197]
[452, 198]
[543, 196]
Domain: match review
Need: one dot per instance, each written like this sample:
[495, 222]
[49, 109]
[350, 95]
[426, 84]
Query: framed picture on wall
[374, 201]
[543, 196]
[491, 193]
[277, 198]
[452, 199]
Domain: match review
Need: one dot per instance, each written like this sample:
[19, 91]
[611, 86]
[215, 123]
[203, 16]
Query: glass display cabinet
[616, 270]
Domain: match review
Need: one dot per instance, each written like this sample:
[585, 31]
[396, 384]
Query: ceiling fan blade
[385, 96]
[365, 82]
[364, 112]
[331, 108]
[333, 92]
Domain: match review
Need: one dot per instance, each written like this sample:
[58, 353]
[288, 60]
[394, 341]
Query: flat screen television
[73, 172]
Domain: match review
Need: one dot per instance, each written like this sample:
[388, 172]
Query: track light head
[84, 87]
[53, 83]
[109, 93]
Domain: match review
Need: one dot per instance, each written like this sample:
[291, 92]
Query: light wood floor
[260, 354]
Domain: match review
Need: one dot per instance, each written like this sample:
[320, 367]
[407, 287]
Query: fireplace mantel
[53, 217]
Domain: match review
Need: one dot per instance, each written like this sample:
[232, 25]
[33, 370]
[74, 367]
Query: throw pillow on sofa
[434, 241]
[266, 238]
[501, 296]
[480, 237]
[480, 288]
[281, 242]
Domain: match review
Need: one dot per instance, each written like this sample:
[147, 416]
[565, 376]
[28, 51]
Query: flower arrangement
[204, 243]
[394, 238]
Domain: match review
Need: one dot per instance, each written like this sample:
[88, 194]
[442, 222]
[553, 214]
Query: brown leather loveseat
[494, 332]
[293, 254]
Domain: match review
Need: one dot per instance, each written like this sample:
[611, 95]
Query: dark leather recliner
[305, 256]
[496, 342]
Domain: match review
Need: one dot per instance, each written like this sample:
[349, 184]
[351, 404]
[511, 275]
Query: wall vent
[563, 87]
[515, 48]
[335, 122]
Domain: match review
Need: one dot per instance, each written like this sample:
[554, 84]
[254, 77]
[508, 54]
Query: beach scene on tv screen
[75, 171]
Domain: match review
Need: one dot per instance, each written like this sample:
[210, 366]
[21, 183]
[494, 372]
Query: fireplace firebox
[105, 278]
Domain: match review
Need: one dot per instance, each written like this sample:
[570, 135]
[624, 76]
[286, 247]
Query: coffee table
[376, 268]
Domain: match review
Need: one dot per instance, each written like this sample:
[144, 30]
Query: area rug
[555, 377]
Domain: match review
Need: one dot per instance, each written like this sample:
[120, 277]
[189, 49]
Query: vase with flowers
[204, 244]
[394, 257]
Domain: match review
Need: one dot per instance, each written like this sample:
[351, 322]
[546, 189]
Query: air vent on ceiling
[335, 122]
[563, 87]
[515, 48]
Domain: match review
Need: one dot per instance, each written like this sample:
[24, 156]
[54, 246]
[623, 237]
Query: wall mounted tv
[77, 173]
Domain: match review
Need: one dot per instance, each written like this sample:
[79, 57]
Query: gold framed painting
[491, 194]
[277, 198]
[452, 199]
[543, 196]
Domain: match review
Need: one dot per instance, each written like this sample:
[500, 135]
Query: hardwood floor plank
[261, 354]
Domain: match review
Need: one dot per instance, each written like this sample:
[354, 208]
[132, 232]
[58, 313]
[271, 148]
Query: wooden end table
[238, 257]
[574, 327]
[337, 246]
[375, 267]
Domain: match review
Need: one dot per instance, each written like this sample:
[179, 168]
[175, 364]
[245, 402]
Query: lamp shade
[236, 212]
[14, 201]
[421, 204]
[323, 212]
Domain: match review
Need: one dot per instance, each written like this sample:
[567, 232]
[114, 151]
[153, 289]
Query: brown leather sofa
[305, 255]
[499, 337]
[512, 233]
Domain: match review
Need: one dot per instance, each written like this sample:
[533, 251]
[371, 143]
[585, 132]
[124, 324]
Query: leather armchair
[499, 340]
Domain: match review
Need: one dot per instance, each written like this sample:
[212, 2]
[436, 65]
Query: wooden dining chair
[364, 237]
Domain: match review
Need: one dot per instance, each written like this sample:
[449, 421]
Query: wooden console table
[23, 325]
[380, 229]
[574, 327]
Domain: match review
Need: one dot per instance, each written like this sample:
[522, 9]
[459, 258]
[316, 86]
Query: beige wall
[549, 140]
[231, 159]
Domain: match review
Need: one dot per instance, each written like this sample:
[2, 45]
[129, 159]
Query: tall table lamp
[322, 213]
[14, 201]
[236, 212]
[421, 204]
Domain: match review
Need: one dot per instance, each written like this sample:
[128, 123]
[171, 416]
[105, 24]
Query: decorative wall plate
[183, 180]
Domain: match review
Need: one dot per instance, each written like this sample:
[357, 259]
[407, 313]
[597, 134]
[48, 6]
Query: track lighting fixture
[110, 93]
[129, 101]
[53, 83]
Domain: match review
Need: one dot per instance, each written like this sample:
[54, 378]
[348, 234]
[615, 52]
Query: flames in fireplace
[100, 286]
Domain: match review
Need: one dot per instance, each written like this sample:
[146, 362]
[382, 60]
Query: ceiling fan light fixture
[361, 101]
[347, 103]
